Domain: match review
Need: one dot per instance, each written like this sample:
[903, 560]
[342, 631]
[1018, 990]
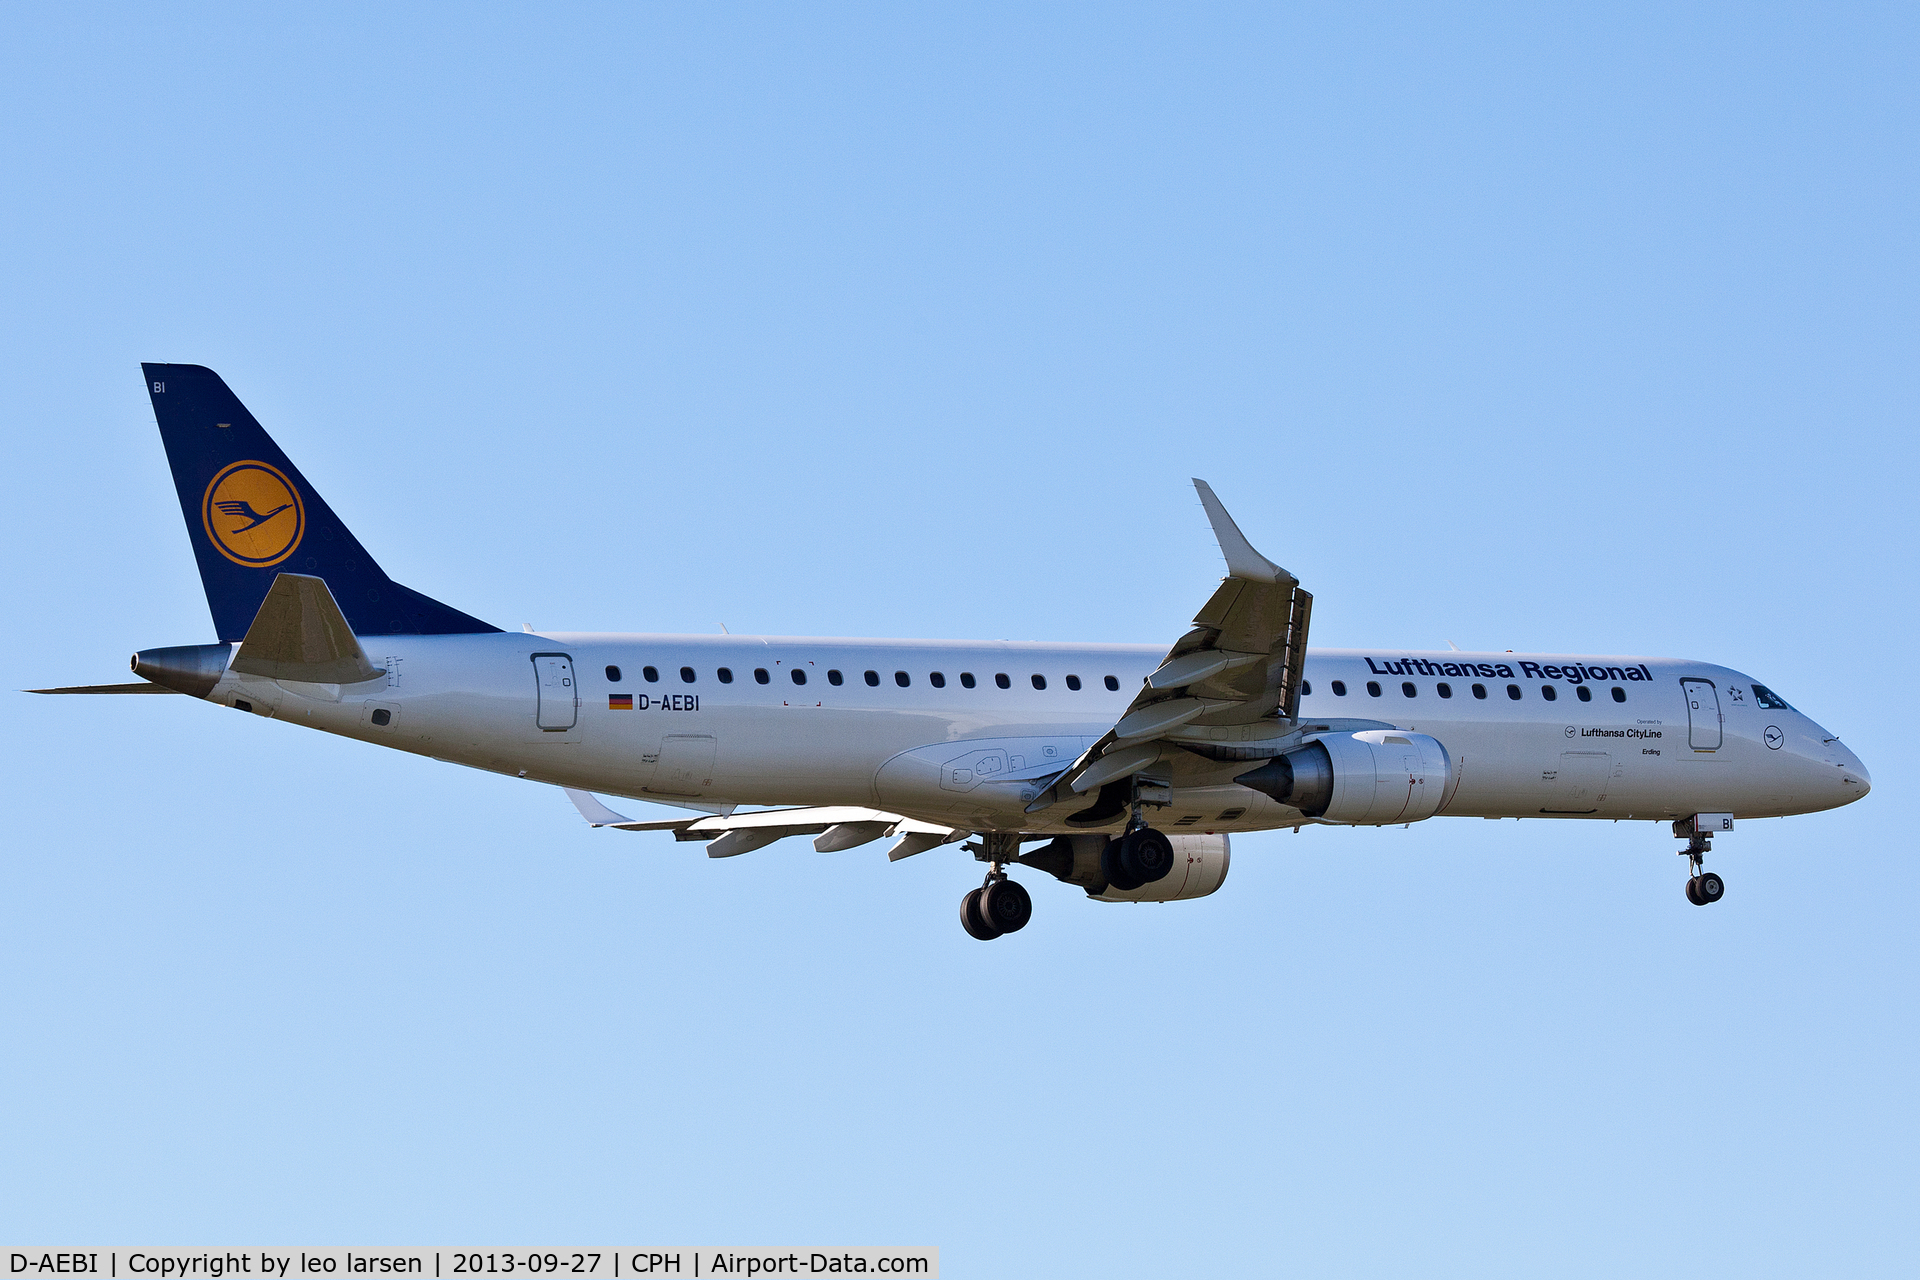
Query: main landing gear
[1703, 886]
[1140, 855]
[1137, 858]
[1000, 905]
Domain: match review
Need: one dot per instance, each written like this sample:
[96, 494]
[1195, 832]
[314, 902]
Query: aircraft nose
[1853, 774]
[1852, 780]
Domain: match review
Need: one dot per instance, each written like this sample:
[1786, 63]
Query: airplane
[1126, 768]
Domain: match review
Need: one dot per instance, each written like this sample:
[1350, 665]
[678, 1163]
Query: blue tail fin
[251, 516]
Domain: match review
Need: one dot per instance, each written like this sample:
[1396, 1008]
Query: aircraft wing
[1239, 666]
[836, 826]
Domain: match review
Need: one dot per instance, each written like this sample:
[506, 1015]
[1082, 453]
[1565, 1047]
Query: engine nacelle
[1199, 867]
[1374, 777]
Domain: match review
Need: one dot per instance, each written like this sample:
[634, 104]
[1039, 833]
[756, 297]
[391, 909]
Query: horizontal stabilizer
[300, 634]
[141, 687]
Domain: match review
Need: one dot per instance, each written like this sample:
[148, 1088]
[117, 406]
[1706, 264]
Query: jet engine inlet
[185, 668]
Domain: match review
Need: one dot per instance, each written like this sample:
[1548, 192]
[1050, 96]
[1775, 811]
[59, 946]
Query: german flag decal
[619, 702]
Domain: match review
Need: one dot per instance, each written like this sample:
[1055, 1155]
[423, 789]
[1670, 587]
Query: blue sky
[1510, 326]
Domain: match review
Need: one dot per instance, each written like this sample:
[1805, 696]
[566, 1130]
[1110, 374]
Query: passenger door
[1703, 714]
[557, 701]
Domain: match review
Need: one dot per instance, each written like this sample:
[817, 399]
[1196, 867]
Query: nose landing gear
[1703, 886]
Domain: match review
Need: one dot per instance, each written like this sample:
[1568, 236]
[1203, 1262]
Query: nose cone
[1854, 780]
[1824, 773]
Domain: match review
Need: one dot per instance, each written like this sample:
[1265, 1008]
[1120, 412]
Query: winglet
[592, 810]
[1242, 560]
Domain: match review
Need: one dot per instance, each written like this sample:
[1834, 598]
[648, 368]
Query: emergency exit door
[1703, 714]
[559, 703]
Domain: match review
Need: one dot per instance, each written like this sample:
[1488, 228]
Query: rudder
[251, 516]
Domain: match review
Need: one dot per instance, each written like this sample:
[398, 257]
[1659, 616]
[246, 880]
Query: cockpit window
[1769, 700]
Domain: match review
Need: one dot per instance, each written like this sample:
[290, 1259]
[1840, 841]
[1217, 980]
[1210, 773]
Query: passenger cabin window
[1480, 691]
[1000, 678]
[1548, 692]
[1619, 694]
[1373, 688]
[1766, 698]
[1039, 682]
[833, 677]
[686, 675]
[937, 680]
[1113, 684]
[799, 676]
[725, 674]
[1407, 690]
[873, 677]
[650, 674]
[1513, 691]
[1073, 682]
[1306, 688]
[613, 675]
[760, 675]
[1444, 690]
[966, 679]
[902, 679]
[1583, 693]
[1339, 688]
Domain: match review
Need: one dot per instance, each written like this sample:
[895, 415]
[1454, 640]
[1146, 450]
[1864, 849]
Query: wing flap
[1240, 665]
[731, 834]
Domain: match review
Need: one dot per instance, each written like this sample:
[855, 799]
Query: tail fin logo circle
[253, 514]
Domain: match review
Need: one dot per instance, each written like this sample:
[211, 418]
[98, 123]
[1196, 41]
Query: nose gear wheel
[1703, 887]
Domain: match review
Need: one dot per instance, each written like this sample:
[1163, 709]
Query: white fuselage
[1687, 736]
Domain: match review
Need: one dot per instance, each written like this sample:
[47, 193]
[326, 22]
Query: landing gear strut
[1136, 858]
[1703, 886]
[1000, 905]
